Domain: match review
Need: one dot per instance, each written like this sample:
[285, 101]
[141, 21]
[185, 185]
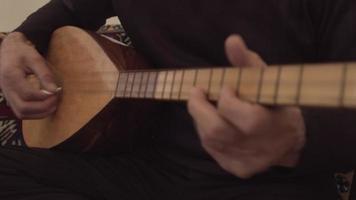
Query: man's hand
[18, 60]
[244, 138]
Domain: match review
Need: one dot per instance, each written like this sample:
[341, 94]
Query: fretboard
[320, 85]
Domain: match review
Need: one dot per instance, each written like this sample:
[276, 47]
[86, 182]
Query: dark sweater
[187, 33]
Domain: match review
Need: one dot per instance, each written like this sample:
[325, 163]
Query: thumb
[37, 64]
[239, 55]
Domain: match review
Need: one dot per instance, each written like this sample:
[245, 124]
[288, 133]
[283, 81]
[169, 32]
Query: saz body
[88, 116]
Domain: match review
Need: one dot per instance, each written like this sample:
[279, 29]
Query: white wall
[13, 12]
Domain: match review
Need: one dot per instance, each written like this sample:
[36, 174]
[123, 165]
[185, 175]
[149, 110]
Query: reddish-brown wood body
[111, 124]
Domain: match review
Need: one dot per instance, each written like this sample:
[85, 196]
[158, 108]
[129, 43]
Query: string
[133, 87]
[319, 96]
[127, 71]
[244, 82]
[252, 94]
[267, 99]
[245, 68]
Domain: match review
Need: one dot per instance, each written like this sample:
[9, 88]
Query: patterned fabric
[10, 128]
[117, 32]
[344, 182]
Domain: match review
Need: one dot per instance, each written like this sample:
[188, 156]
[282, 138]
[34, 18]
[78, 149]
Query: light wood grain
[321, 86]
[88, 78]
[188, 83]
[317, 85]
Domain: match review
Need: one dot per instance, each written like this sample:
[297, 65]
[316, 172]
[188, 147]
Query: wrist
[292, 157]
[290, 160]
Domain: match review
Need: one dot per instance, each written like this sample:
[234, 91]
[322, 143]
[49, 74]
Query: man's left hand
[245, 138]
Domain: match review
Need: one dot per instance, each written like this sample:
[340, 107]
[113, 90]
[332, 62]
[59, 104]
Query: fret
[238, 82]
[144, 84]
[278, 84]
[222, 81]
[161, 79]
[249, 84]
[209, 84]
[181, 85]
[343, 84]
[202, 80]
[127, 85]
[195, 77]
[167, 91]
[260, 85]
[117, 86]
[177, 84]
[289, 85]
[133, 83]
[164, 84]
[321, 86]
[215, 88]
[269, 84]
[130, 83]
[151, 84]
[231, 77]
[173, 82]
[350, 86]
[300, 81]
[123, 77]
[140, 88]
[136, 84]
[188, 83]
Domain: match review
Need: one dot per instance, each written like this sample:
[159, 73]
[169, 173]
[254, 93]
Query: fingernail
[47, 92]
[59, 89]
[52, 87]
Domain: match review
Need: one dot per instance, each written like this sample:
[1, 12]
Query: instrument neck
[321, 85]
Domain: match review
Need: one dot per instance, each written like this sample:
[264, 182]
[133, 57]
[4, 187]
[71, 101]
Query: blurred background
[14, 12]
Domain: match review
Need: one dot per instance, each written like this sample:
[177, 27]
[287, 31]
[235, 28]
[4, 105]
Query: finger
[200, 108]
[39, 115]
[237, 112]
[239, 55]
[18, 84]
[28, 93]
[213, 129]
[256, 61]
[37, 64]
[236, 51]
[29, 109]
[239, 164]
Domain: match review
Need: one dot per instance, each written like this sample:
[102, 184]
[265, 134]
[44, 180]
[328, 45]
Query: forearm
[39, 26]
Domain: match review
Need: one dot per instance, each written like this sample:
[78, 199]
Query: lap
[36, 173]
[40, 172]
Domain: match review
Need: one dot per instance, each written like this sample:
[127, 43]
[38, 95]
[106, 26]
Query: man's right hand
[18, 59]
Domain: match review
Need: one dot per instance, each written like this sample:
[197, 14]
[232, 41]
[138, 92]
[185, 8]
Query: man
[239, 151]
